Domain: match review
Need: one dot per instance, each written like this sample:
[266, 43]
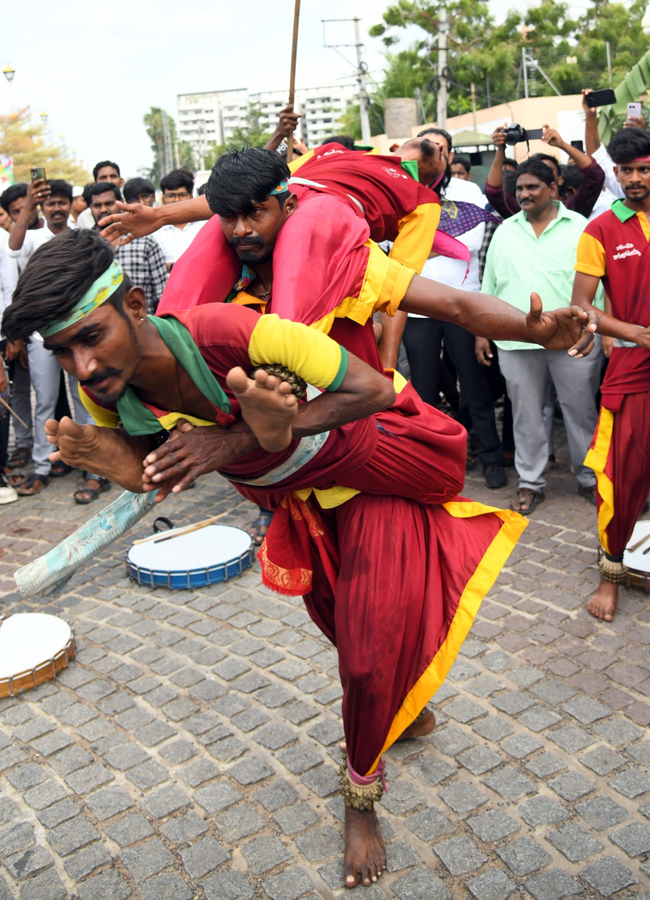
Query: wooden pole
[292, 74]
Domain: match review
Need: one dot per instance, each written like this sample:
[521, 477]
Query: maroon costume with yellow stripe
[615, 247]
[392, 565]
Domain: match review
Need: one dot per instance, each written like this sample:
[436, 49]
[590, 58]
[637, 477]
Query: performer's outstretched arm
[137, 220]
[584, 291]
[568, 328]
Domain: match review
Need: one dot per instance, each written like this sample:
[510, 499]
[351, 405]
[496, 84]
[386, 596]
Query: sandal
[19, 458]
[89, 492]
[14, 479]
[526, 501]
[589, 493]
[34, 484]
[262, 521]
[60, 469]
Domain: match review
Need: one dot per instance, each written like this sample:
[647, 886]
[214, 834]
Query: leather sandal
[529, 496]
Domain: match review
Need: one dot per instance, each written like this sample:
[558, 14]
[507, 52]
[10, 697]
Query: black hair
[135, 186]
[12, 193]
[535, 166]
[549, 158]
[54, 280]
[243, 176]
[344, 139]
[102, 165]
[441, 132]
[86, 191]
[510, 162]
[177, 178]
[60, 188]
[572, 178]
[201, 191]
[101, 187]
[428, 149]
[464, 162]
[628, 144]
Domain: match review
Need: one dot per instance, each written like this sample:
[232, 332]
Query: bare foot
[602, 603]
[420, 727]
[268, 406]
[365, 854]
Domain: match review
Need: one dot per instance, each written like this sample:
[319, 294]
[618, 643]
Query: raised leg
[267, 405]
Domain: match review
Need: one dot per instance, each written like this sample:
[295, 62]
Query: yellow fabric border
[105, 418]
[596, 459]
[475, 590]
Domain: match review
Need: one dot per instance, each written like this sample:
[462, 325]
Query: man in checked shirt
[142, 259]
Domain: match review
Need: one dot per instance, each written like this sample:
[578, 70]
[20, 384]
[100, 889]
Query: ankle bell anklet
[612, 570]
[361, 791]
[298, 385]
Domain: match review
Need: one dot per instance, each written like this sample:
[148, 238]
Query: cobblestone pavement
[190, 751]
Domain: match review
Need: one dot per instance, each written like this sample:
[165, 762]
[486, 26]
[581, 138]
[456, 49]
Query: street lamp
[9, 73]
[44, 118]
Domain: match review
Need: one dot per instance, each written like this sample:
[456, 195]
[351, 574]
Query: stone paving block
[574, 843]
[126, 756]
[228, 886]
[251, 770]
[631, 783]
[168, 886]
[70, 760]
[323, 780]
[494, 728]
[101, 887]
[276, 796]
[203, 857]
[217, 797]
[26, 776]
[320, 843]
[297, 818]
[327, 731]
[429, 824]
[618, 731]
[608, 875]
[483, 686]
[289, 885]
[165, 801]
[521, 745]
[460, 855]
[28, 862]
[50, 743]
[524, 856]
[479, 760]
[401, 797]
[57, 813]
[538, 718]
[147, 775]
[420, 884]
[493, 885]
[239, 822]
[545, 764]
[265, 853]
[199, 772]
[634, 839]
[177, 752]
[553, 885]
[185, 828]
[431, 769]
[227, 749]
[571, 738]
[130, 830]
[510, 784]
[44, 795]
[299, 759]
[81, 864]
[492, 825]
[451, 740]
[571, 786]
[275, 736]
[45, 886]
[464, 710]
[542, 810]
[553, 691]
[602, 760]
[586, 710]
[602, 813]
[154, 733]
[72, 835]
[147, 859]
[462, 797]
[87, 779]
[8, 810]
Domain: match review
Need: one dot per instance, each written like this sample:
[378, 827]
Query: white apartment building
[212, 116]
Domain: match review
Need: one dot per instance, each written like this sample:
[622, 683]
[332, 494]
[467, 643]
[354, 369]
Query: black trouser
[4, 422]
[423, 340]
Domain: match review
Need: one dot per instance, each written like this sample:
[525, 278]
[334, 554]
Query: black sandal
[93, 493]
[60, 469]
[262, 521]
[28, 487]
[19, 458]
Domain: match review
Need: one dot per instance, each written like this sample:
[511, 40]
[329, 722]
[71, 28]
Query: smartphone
[605, 97]
[38, 173]
[579, 145]
[634, 110]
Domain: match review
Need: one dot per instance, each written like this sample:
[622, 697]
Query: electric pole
[362, 69]
[443, 28]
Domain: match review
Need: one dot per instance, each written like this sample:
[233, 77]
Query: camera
[517, 134]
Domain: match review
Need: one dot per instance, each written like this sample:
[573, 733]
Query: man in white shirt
[8, 278]
[106, 170]
[175, 239]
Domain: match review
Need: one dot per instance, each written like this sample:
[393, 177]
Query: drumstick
[159, 537]
[15, 414]
[638, 544]
[169, 537]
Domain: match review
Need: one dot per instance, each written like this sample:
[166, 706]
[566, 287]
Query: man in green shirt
[536, 250]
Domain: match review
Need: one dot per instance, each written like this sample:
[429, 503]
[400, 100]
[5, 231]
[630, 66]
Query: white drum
[637, 561]
[34, 647]
[194, 559]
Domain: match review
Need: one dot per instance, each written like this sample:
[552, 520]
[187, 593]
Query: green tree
[154, 123]
[29, 146]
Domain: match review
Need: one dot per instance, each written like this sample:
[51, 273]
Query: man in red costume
[615, 247]
[364, 465]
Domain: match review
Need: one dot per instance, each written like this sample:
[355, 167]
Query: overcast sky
[97, 68]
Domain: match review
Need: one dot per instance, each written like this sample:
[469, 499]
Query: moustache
[247, 242]
[99, 376]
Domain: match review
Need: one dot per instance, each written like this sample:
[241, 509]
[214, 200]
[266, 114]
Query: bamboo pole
[292, 73]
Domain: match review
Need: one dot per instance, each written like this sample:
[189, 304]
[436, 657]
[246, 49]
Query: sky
[95, 69]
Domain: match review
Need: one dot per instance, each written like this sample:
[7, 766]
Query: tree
[154, 123]
[29, 147]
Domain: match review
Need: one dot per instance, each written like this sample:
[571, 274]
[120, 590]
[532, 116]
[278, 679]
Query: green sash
[137, 419]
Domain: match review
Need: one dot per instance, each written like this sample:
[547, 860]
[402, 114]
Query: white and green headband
[98, 292]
